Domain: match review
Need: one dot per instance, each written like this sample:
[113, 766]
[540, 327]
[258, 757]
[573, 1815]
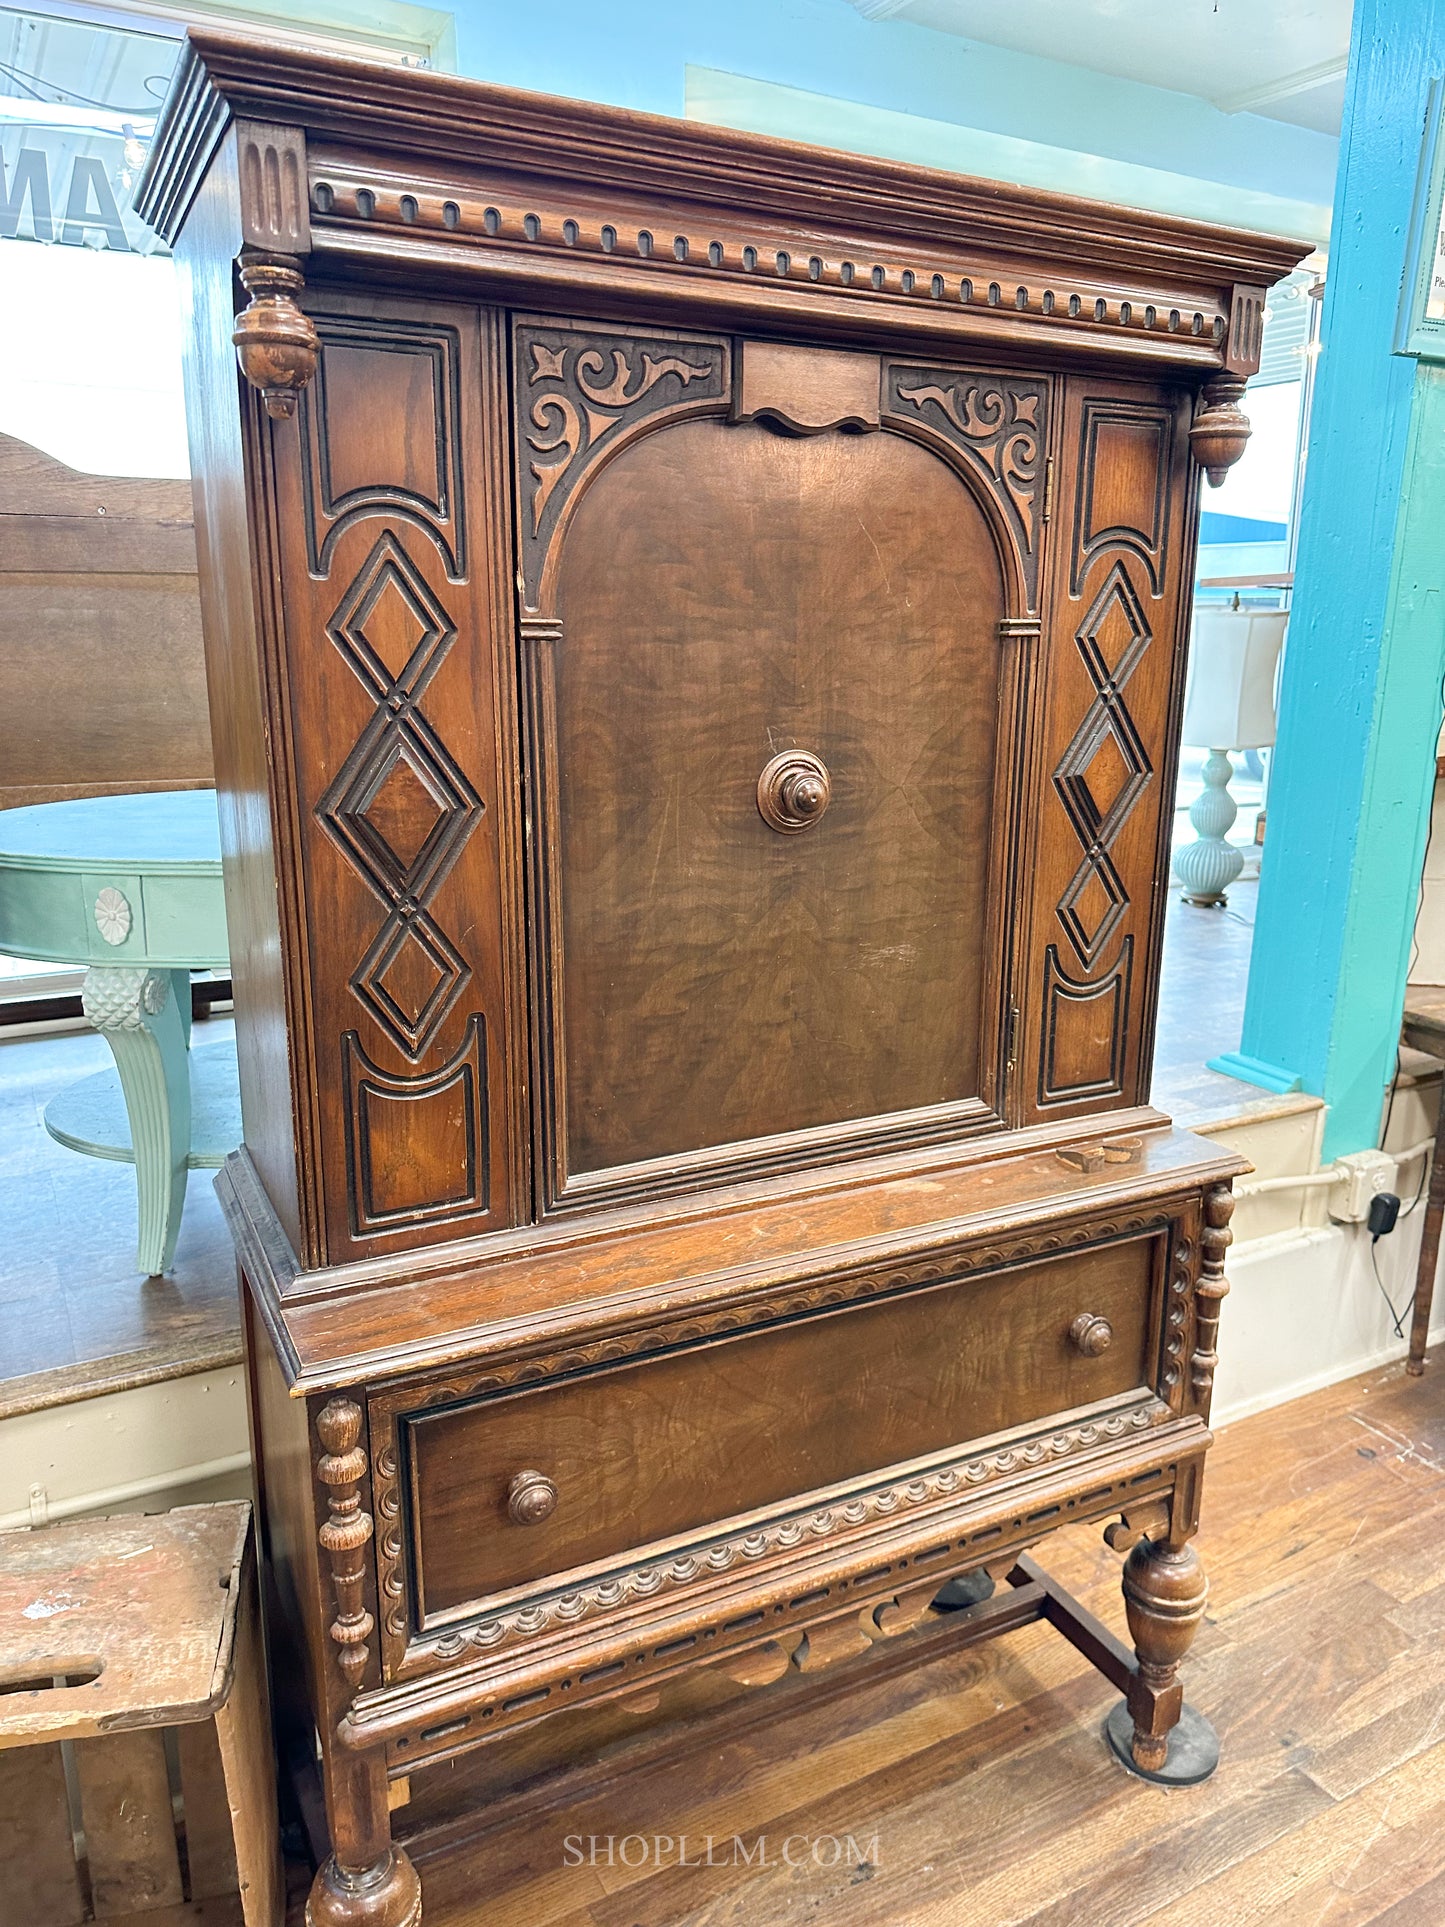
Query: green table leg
[139, 1013]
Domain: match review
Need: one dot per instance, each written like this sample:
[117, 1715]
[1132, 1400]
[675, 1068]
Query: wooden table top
[161, 830]
[1424, 1020]
[132, 880]
[149, 1601]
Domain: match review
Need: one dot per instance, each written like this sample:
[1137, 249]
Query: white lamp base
[1209, 865]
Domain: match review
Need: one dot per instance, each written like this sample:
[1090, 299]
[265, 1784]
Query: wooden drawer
[668, 1445]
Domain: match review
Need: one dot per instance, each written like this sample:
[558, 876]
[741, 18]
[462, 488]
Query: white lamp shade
[1229, 701]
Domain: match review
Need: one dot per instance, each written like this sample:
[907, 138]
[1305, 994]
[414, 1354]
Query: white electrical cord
[1301, 1182]
[1312, 1180]
[1415, 1150]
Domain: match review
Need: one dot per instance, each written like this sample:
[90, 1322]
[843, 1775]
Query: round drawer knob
[793, 791]
[531, 1498]
[1091, 1335]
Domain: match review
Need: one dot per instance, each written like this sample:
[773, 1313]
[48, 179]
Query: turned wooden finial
[1221, 429]
[276, 344]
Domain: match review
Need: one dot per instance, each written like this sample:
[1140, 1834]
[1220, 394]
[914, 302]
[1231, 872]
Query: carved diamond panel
[1103, 773]
[1093, 906]
[1105, 769]
[389, 625]
[410, 978]
[400, 807]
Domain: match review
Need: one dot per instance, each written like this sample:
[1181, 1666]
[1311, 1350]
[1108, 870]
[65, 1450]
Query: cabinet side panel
[389, 517]
[229, 569]
[286, 1527]
[1113, 654]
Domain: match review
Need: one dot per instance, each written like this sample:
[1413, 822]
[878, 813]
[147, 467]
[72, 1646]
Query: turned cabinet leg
[1153, 1731]
[366, 1882]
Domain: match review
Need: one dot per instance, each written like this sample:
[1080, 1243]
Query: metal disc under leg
[957, 1595]
[1193, 1748]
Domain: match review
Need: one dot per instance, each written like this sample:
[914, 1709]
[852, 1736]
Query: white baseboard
[175, 1443]
[1304, 1311]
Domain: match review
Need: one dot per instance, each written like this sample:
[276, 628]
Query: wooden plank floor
[982, 1777]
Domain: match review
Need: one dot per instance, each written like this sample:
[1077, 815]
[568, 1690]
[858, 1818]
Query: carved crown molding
[576, 146]
[644, 235]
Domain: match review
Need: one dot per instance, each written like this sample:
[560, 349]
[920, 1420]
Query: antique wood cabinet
[695, 633]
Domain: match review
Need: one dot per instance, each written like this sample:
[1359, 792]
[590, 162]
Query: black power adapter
[1384, 1214]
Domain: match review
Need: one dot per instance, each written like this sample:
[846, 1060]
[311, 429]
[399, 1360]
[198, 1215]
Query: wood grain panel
[37, 1848]
[102, 679]
[721, 589]
[650, 1450]
[210, 1841]
[396, 714]
[1114, 649]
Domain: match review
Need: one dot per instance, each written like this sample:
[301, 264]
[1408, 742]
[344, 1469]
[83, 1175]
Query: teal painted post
[1360, 701]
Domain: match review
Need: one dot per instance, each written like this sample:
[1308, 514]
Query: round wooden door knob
[1091, 1335]
[531, 1498]
[793, 791]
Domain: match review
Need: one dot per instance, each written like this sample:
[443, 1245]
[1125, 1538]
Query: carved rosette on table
[346, 1533]
[113, 914]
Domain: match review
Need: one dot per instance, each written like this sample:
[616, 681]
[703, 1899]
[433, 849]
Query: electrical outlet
[1365, 1173]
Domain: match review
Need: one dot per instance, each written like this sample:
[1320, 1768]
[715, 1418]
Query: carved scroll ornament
[999, 425]
[585, 394]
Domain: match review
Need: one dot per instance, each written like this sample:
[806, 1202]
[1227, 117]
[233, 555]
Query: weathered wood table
[111, 1632]
[1424, 1029]
[130, 886]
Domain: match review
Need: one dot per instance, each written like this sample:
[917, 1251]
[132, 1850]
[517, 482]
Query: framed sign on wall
[1421, 326]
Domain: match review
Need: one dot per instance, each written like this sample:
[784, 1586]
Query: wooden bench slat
[125, 1808]
[41, 1882]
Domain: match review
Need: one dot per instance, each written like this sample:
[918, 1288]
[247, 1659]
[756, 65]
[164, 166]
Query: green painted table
[130, 886]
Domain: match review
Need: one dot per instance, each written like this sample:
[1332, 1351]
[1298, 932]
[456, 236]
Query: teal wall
[1360, 702]
[634, 53]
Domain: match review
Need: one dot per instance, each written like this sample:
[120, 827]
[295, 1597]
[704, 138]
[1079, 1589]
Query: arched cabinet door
[775, 613]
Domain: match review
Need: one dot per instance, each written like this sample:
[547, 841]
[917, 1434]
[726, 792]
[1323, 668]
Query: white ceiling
[1281, 58]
